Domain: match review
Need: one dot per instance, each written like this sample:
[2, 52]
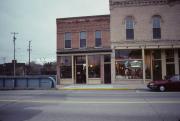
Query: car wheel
[162, 88]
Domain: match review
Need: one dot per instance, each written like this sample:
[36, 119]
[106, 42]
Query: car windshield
[175, 78]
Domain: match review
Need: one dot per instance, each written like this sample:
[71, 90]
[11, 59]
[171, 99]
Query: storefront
[85, 69]
[152, 64]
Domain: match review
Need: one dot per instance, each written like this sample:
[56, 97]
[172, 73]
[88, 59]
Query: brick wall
[170, 25]
[89, 24]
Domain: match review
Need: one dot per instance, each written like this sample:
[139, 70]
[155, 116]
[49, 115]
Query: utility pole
[29, 50]
[14, 61]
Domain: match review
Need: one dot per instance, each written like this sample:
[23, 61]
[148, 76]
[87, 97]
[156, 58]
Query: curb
[97, 89]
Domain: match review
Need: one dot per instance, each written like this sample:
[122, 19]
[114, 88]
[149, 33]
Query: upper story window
[129, 28]
[98, 38]
[156, 27]
[67, 40]
[82, 39]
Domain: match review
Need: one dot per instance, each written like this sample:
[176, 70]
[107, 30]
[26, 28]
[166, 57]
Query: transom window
[82, 39]
[156, 27]
[98, 38]
[129, 28]
[67, 40]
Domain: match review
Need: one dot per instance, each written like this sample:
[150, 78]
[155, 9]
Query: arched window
[156, 20]
[129, 28]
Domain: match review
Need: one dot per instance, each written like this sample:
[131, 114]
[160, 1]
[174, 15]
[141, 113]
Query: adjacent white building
[145, 39]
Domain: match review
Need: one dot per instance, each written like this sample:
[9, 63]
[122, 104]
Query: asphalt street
[89, 105]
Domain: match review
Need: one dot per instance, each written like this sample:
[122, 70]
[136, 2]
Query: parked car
[169, 83]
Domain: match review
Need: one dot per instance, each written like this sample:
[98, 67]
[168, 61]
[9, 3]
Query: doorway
[80, 69]
[107, 69]
[107, 73]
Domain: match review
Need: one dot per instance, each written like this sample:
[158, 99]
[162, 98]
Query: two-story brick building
[145, 39]
[83, 50]
[139, 41]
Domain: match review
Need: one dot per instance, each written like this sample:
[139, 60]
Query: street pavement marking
[92, 102]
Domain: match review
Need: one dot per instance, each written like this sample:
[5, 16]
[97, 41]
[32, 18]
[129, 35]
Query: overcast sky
[36, 20]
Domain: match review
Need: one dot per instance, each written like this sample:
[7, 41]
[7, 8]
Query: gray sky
[36, 20]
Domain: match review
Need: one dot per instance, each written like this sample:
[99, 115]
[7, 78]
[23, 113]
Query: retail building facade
[83, 50]
[142, 37]
[145, 39]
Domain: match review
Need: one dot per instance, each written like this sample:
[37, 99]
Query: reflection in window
[175, 78]
[98, 38]
[129, 64]
[170, 65]
[107, 58]
[179, 59]
[148, 64]
[65, 67]
[82, 39]
[156, 27]
[129, 28]
[94, 66]
[128, 54]
[129, 69]
[156, 65]
[80, 59]
[67, 40]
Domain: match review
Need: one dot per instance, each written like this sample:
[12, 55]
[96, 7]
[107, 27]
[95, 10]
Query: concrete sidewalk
[103, 87]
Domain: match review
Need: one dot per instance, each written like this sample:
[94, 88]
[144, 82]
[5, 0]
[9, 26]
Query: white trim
[80, 40]
[95, 39]
[126, 28]
[65, 40]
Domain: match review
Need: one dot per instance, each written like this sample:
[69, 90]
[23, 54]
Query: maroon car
[172, 83]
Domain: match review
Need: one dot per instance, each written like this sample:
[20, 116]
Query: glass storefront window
[170, 65]
[80, 59]
[156, 54]
[128, 54]
[65, 67]
[94, 66]
[157, 70]
[170, 56]
[156, 64]
[129, 64]
[107, 58]
[148, 64]
[129, 69]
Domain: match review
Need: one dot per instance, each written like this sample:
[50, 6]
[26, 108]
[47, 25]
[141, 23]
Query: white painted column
[72, 64]
[87, 81]
[176, 61]
[102, 68]
[163, 63]
[113, 76]
[144, 70]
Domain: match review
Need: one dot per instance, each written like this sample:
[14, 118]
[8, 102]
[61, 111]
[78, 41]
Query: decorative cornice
[131, 3]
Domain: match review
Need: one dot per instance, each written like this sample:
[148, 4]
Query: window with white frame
[82, 39]
[156, 27]
[67, 43]
[98, 39]
[129, 28]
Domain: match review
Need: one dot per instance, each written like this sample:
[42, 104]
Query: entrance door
[80, 74]
[80, 69]
[107, 73]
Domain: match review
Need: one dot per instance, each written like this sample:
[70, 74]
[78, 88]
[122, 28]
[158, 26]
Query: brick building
[145, 39]
[140, 40]
[83, 50]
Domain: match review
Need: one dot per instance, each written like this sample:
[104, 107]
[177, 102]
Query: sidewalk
[103, 87]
